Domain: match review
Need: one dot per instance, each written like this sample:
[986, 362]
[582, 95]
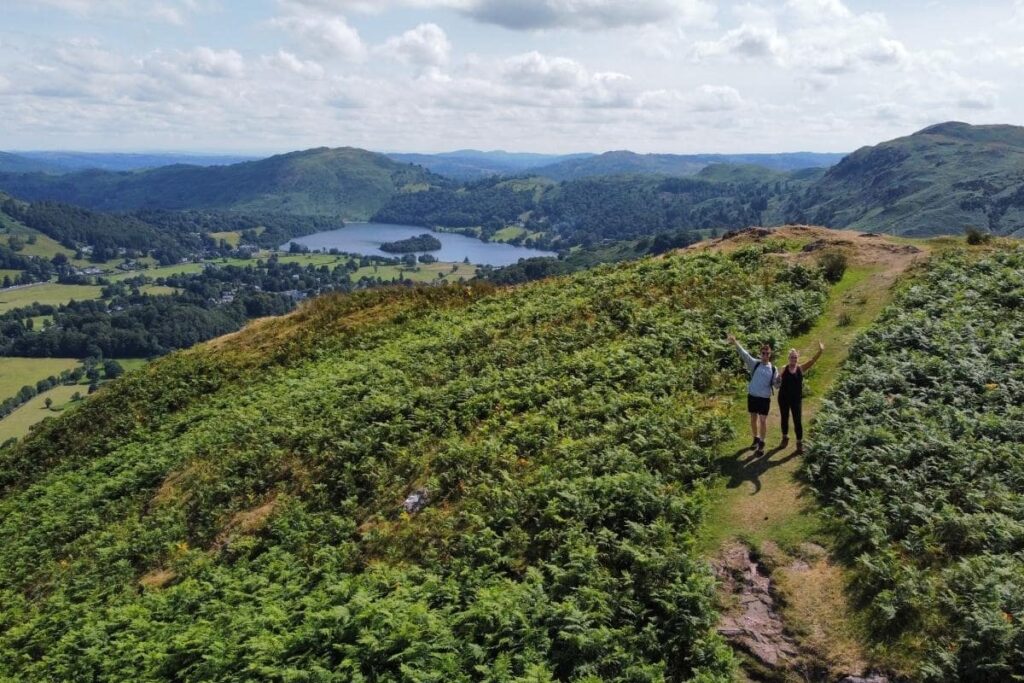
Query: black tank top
[792, 383]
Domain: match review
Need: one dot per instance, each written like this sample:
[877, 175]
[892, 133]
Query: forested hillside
[585, 212]
[443, 484]
[345, 182]
[918, 458]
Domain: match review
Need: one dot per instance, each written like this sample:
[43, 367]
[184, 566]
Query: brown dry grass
[158, 578]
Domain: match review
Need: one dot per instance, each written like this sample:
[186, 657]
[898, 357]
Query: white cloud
[819, 10]
[715, 98]
[886, 51]
[580, 14]
[539, 71]
[286, 61]
[425, 45]
[529, 15]
[745, 42]
[217, 64]
[975, 94]
[328, 36]
[164, 12]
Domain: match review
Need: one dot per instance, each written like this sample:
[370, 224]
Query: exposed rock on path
[755, 625]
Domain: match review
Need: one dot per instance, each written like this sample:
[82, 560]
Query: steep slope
[625, 162]
[346, 182]
[937, 181]
[236, 511]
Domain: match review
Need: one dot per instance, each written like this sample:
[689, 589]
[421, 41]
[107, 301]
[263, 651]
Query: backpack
[774, 370]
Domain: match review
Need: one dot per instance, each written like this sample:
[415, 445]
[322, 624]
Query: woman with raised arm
[759, 390]
[791, 387]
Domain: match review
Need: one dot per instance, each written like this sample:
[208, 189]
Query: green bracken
[234, 512]
[918, 458]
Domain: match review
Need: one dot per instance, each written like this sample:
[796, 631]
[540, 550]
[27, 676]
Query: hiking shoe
[784, 442]
[799, 446]
[756, 443]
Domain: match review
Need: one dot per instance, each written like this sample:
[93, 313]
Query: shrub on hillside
[833, 265]
[976, 236]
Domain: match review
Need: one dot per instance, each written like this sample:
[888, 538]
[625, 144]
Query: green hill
[346, 182]
[237, 511]
[937, 181]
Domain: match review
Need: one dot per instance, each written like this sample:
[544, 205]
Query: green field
[158, 290]
[508, 233]
[232, 237]
[44, 246]
[161, 271]
[18, 423]
[427, 272]
[46, 293]
[18, 372]
[130, 364]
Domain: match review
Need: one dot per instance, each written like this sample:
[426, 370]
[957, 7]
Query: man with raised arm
[759, 390]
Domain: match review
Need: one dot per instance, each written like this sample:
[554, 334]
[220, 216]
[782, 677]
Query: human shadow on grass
[746, 465]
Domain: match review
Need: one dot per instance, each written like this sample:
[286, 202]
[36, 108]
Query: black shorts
[756, 404]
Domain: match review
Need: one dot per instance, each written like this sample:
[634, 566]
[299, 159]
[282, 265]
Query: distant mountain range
[66, 162]
[17, 163]
[939, 180]
[471, 164]
[623, 162]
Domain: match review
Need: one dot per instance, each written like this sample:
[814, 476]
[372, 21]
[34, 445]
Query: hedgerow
[919, 458]
[234, 512]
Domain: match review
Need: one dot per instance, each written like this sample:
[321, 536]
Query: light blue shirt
[762, 375]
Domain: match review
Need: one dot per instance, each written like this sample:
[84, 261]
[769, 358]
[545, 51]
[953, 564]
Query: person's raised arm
[748, 360]
[809, 364]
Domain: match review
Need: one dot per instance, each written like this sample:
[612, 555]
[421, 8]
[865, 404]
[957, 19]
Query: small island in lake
[422, 242]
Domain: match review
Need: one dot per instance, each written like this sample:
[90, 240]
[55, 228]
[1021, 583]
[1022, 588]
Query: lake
[366, 238]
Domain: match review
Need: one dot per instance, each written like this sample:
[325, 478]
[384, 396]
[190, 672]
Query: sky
[552, 76]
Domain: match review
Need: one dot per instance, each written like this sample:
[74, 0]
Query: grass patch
[158, 290]
[161, 271]
[508, 233]
[426, 272]
[17, 372]
[232, 237]
[46, 293]
[18, 423]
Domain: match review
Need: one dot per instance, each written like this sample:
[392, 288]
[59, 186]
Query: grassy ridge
[234, 511]
[918, 458]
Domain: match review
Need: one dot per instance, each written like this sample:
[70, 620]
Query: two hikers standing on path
[764, 378]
